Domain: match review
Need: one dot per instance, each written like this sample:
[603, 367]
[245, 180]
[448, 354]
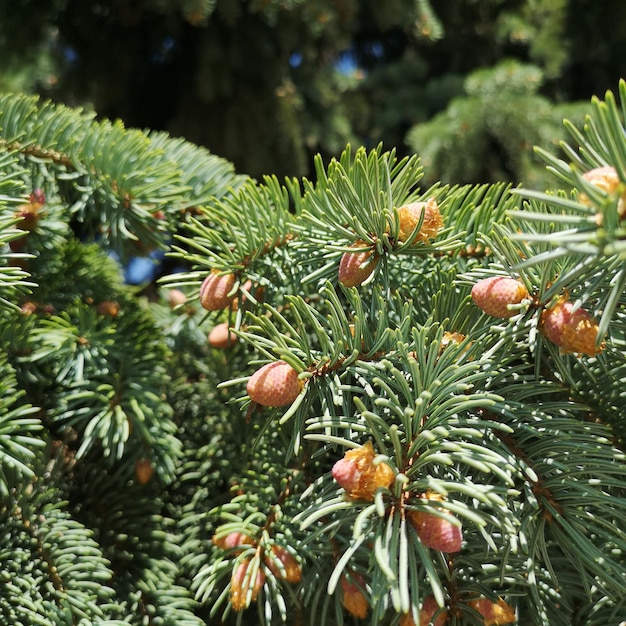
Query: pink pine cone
[215, 290]
[429, 608]
[356, 267]
[274, 384]
[436, 532]
[222, 337]
[493, 295]
[572, 330]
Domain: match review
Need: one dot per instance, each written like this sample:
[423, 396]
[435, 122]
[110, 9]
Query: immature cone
[494, 613]
[215, 289]
[240, 584]
[573, 331]
[434, 531]
[143, 471]
[359, 476]
[409, 217]
[287, 568]
[607, 179]
[175, 297]
[275, 384]
[354, 599]
[356, 267]
[495, 294]
[108, 308]
[222, 337]
[429, 608]
[232, 540]
[30, 212]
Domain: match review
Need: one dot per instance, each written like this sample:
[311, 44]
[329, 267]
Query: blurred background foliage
[269, 83]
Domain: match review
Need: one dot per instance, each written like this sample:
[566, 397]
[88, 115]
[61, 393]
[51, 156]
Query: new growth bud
[215, 291]
[356, 267]
[494, 613]
[409, 217]
[359, 476]
[497, 295]
[243, 589]
[222, 337]
[283, 565]
[354, 599]
[275, 384]
[573, 331]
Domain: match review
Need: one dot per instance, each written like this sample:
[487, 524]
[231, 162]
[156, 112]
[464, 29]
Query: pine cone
[607, 179]
[573, 331]
[429, 608]
[232, 540]
[356, 267]
[275, 384]
[215, 290]
[143, 471]
[357, 474]
[495, 294]
[290, 570]
[409, 217]
[434, 531]
[221, 337]
[240, 584]
[354, 599]
[494, 613]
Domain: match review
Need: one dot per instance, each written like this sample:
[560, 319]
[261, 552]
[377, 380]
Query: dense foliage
[384, 436]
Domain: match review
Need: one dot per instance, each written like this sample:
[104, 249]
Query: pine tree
[417, 415]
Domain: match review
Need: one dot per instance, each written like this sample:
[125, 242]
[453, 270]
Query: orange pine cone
[290, 570]
[232, 540]
[429, 608]
[573, 331]
[143, 471]
[354, 599]
[409, 217]
[358, 474]
[241, 583]
[222, 337]
[494, 613]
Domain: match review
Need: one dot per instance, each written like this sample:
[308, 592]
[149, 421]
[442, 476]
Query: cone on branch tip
[497, 295]
[607, 179]
[359, 476]
[573, 331]
[427, 612]
[232, 540]
[143, 471]
[241, 584]
[215, 291]
[435, 531]
[353, 598]
[409, 217]
[221, 336]
[275, 384]
[175, 297]
[356, 267]
[494, 613]
[283, 565]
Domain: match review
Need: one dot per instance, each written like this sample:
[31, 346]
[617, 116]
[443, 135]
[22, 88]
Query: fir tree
[418, 415]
